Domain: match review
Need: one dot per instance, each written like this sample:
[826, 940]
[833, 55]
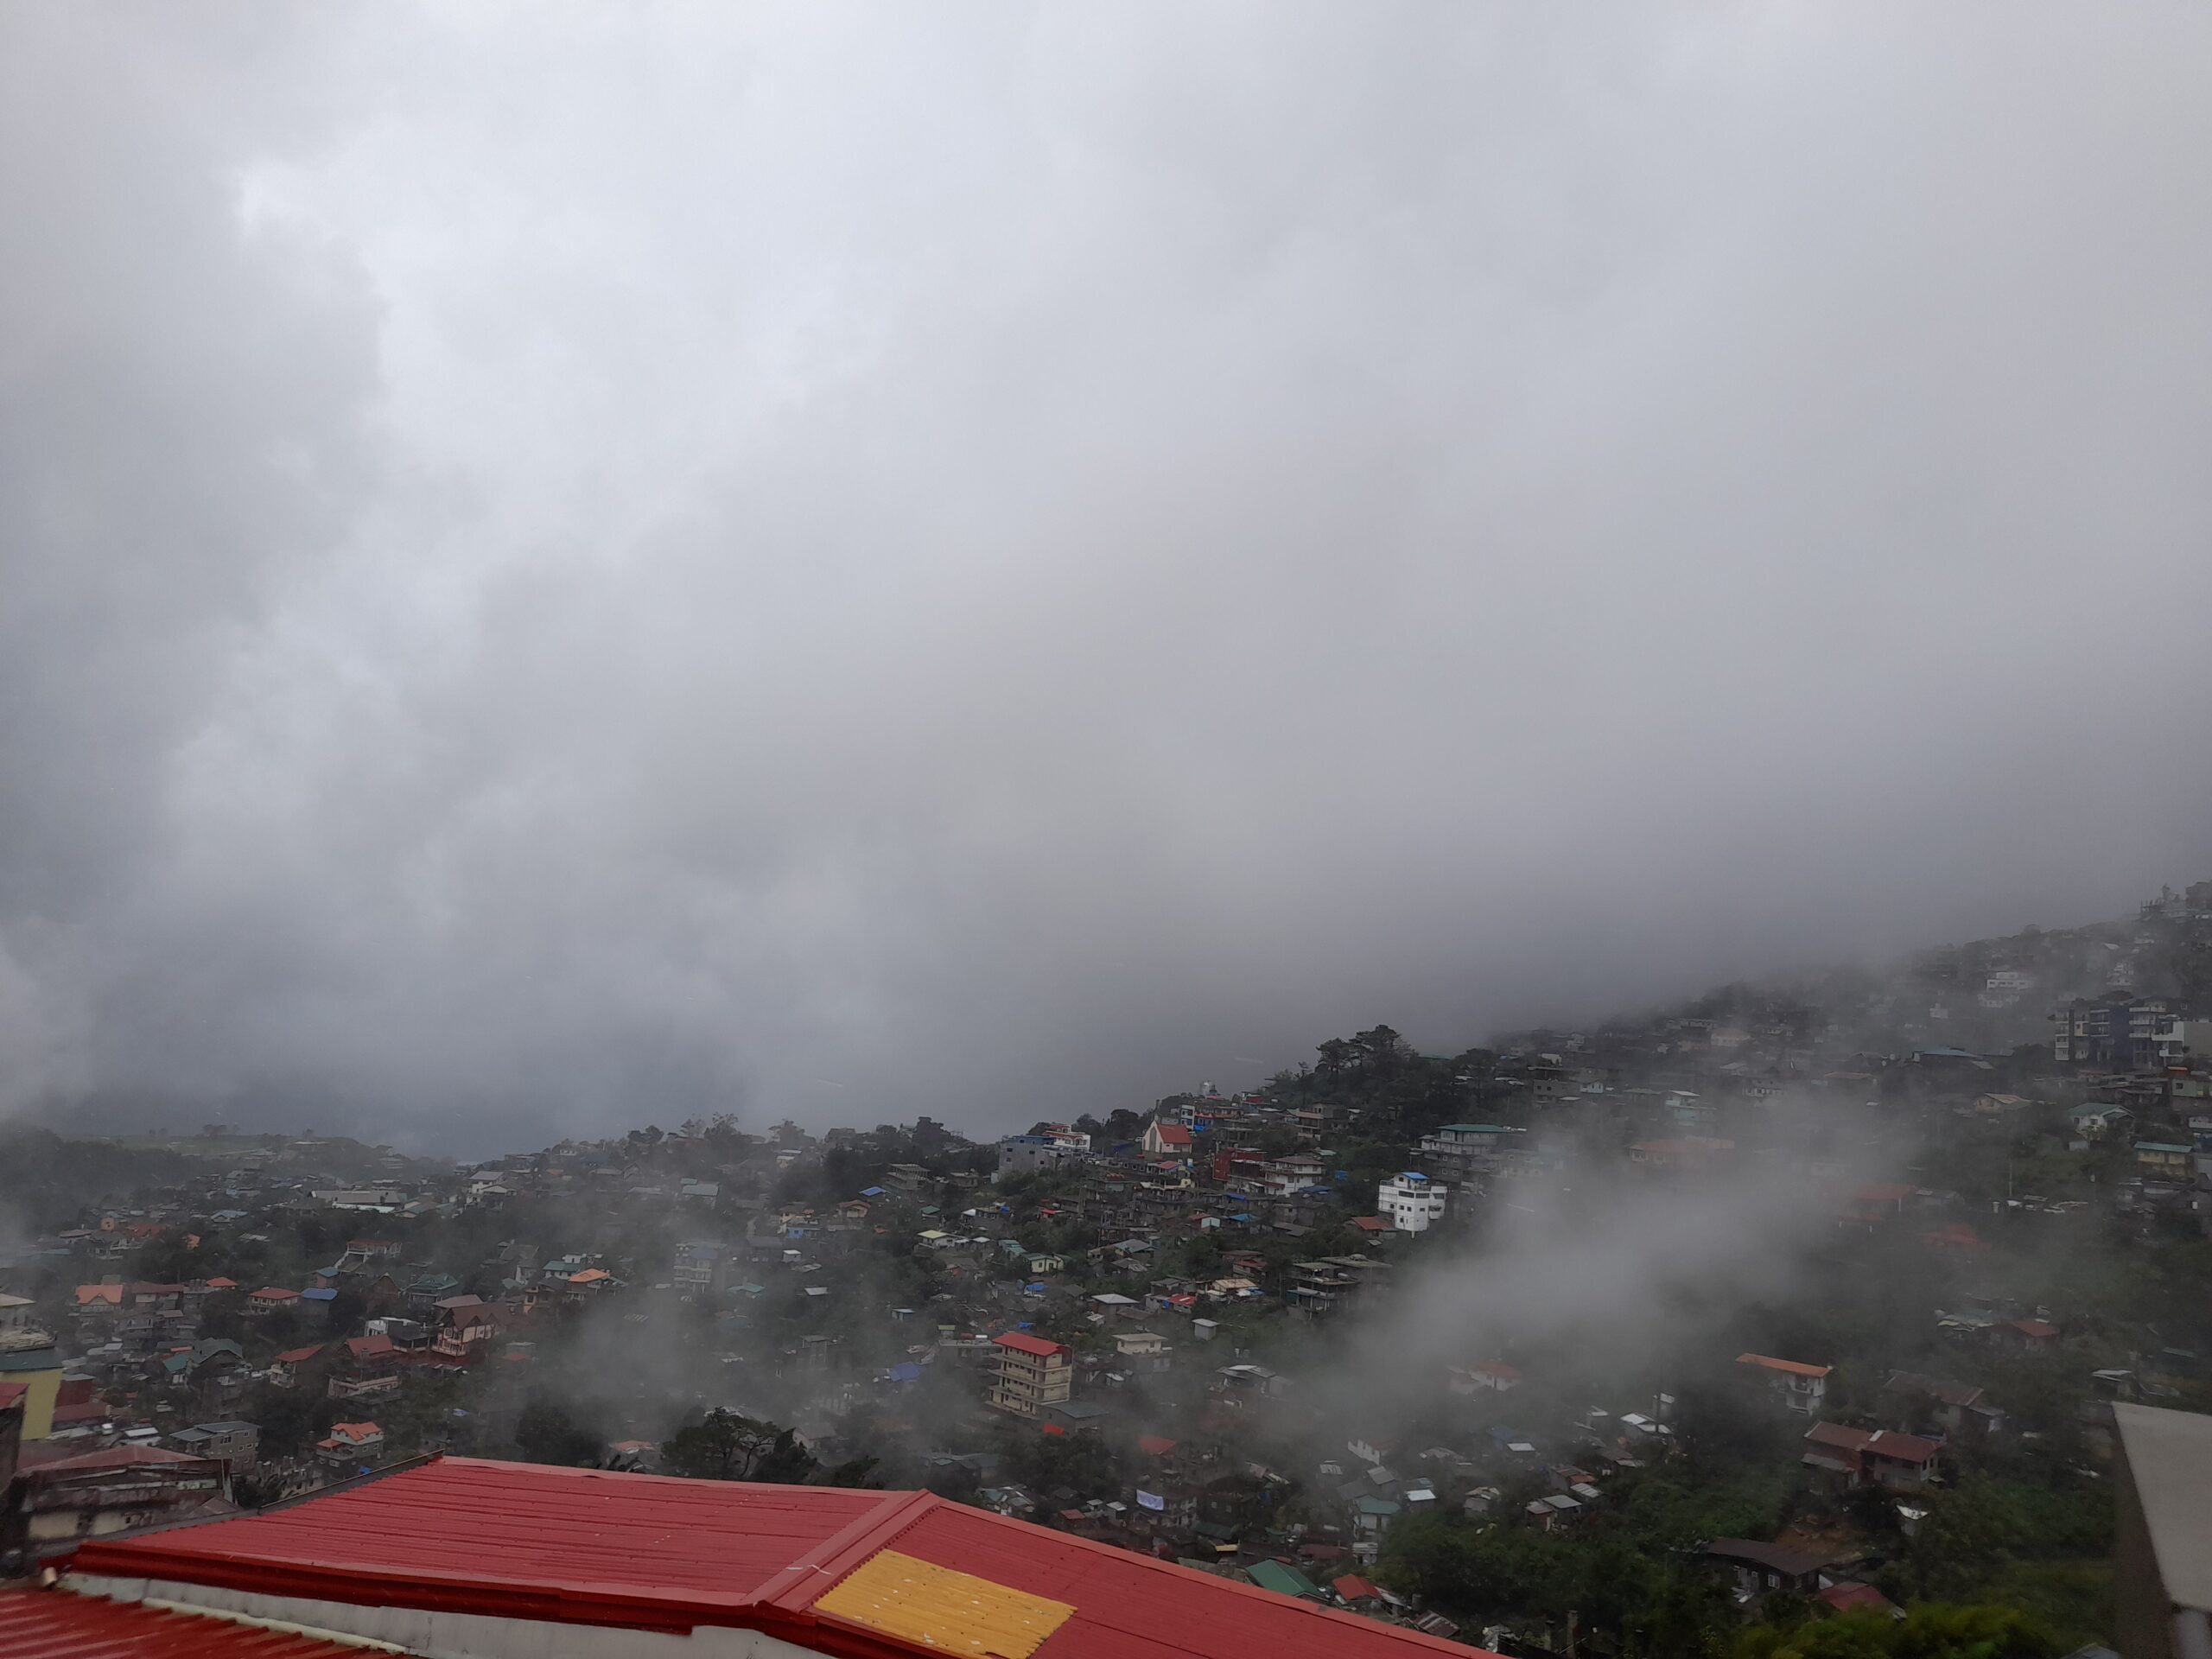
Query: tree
[1380, 1049]
[546, 1433]
[728, 1446]
[1336, 1060]
[1931, 1630]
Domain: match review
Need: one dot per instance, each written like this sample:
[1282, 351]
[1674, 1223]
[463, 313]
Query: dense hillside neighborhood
[1427, 1339]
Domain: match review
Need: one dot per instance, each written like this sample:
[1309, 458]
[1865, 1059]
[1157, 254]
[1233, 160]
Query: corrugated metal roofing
[1128, 1606]
[449, 1530]
[941, 1608]
[649, 1551]
[57, 1624]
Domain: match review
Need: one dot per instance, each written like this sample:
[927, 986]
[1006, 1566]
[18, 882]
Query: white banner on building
[1150, 1501]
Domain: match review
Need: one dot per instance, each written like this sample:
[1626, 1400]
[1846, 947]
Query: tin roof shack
[1957, 1408]
[2162, 1547]
[1762, 1569]
[1881, 1457]
[79, 1494]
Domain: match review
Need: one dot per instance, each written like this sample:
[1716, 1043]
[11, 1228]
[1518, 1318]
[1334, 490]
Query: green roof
[1375, 1506]
[1475, 1128]
[1282, 1579]
[2158, 1146]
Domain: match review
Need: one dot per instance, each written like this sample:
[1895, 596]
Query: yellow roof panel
[919, 1601]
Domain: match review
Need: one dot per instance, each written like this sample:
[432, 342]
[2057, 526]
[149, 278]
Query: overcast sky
[567, 565]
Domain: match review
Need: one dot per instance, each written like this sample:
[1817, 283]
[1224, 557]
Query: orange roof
[222, 1284]
[297, 1355]
[589, 1276]
[87, 1295]
[1794, 1367]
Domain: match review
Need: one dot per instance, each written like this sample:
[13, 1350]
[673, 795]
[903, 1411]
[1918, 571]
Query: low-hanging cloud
[566, 566]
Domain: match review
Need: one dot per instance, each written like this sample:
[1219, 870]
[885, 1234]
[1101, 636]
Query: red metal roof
[649, 1551]
[59, 1624]
[1022, 1343]
[1844, 1598]
[501, 1537]
[1127, 1606]
[10, 1393]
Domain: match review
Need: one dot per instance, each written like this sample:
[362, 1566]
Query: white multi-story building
[1410, 1202]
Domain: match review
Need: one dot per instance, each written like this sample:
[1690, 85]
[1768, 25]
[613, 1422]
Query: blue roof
[908, 1372]
[871, 1192]
[318, 1295]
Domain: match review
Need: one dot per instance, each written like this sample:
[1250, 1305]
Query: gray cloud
[561, 569]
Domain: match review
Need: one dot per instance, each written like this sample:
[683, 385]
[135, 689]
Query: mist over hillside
[563, 571]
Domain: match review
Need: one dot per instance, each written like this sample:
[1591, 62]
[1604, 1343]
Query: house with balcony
[1788, 1384]
[350, 1445]
[1029, 1373]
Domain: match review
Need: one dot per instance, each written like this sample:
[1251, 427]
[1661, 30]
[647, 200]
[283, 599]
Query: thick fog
[562, 566]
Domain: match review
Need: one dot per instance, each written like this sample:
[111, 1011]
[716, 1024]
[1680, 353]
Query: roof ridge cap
[794, 1588]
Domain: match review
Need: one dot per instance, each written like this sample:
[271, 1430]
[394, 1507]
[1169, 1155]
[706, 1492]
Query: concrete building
[1790, 1383]
[1026, 1154]
[28, 1358]
[697, 1269]
[236, 1444]
[1411, 1203]
[2162, 1545]
[1030, 1373]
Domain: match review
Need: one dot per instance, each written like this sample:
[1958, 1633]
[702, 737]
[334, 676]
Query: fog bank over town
[564, 570]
